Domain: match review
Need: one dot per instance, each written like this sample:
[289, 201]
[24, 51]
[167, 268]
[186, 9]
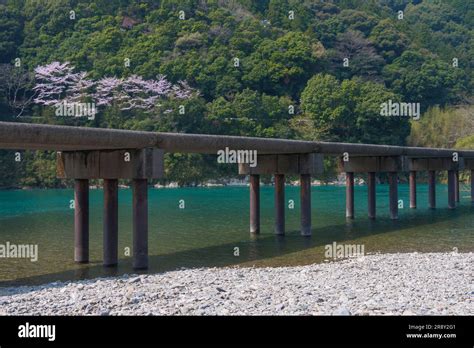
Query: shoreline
[212, 184]
[222, 182]
[378, 284]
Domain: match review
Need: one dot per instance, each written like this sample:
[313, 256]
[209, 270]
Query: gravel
[380, 284]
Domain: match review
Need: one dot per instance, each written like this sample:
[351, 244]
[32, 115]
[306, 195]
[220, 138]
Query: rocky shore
[389, 284]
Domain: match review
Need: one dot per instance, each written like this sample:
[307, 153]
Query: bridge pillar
[371, 190]
[110, 165]
[472, 185]
[305, 165]
[110, 233]
[305, 195]
[81, 220]
[373, 164]
[393, 194]
[456, 188]
[280, 204]
[451, 189]
[432, 189]
[350, 195]
[441, 163]
[412, 179]
[140, 223]
[254, 203]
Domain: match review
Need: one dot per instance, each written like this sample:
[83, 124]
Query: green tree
[442, 127]
[423, 78]
[465, 143]
[349, 112]
[10, 32]
[389, 41]
[282, 64]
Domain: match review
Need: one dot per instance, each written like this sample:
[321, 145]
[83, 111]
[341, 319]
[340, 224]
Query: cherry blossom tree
[58, 83]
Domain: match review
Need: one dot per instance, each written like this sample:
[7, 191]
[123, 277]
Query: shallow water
[215, 222]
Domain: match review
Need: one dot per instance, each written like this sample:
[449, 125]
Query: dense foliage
[271, 68]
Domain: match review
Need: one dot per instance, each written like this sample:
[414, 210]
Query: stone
[342, 311]
[405, 284]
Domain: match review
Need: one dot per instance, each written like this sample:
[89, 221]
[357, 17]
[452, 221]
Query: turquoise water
[215, 222]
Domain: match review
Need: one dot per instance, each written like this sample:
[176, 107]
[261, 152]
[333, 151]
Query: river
[212, 229]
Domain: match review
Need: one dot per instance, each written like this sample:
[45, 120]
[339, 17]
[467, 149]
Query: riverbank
[222, 182]
[391, 284]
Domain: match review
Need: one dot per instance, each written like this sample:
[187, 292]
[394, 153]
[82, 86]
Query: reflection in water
[214, 223]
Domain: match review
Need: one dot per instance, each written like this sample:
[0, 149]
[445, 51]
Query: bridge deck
[24, 136]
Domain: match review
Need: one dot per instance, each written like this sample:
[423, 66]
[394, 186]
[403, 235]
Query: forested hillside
[302, 69]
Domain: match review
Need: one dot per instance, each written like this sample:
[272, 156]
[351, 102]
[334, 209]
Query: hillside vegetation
[302, 69]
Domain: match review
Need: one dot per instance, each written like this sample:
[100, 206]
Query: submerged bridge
[110, 154]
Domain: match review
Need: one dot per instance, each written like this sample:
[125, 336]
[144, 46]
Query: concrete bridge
[110, 154]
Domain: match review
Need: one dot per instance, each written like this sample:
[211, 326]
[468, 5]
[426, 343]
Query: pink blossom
[58, 82]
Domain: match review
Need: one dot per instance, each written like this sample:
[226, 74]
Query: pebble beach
[378, 284]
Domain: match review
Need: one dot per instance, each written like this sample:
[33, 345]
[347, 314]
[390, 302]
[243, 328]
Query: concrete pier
[432, 189]
[81, 220]
[305, 195]
[451, 189]
[279, 204]
[393, 194]
[280, 165]
[456, 188]
[254, 203]
[372, 164]
[138, 165]
[432, 165]
[472, 185]
[412, 180]
[371, 195]
[140, 223]
[110, 233]
[349, 195]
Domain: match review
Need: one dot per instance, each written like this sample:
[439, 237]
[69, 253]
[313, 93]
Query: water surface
[215, 222]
